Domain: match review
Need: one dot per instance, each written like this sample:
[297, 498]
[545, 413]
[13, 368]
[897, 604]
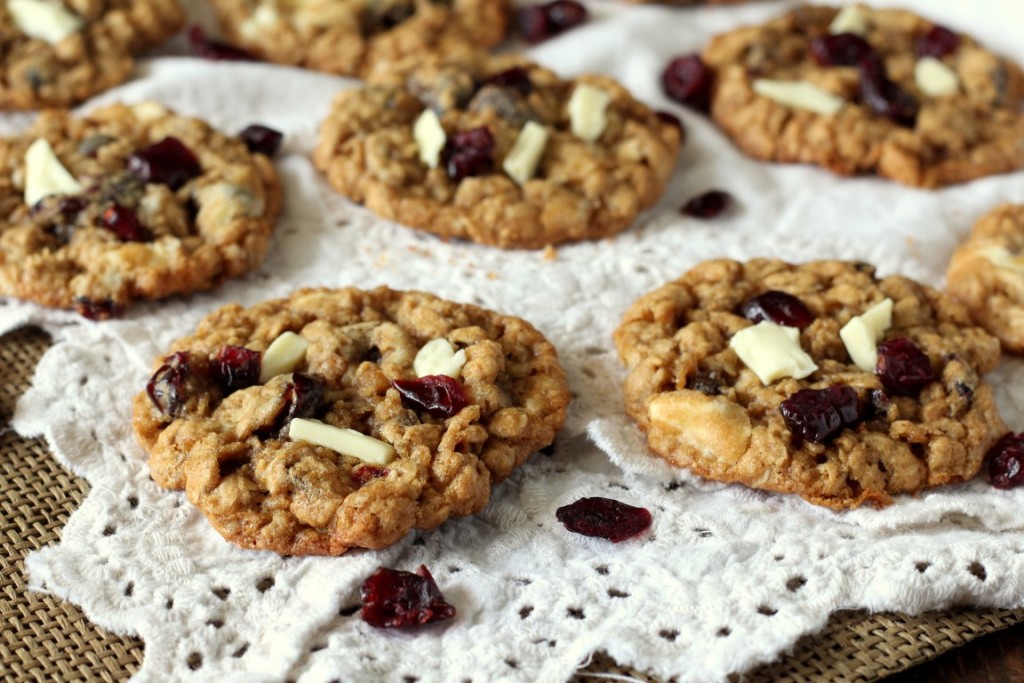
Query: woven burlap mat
[45, 639]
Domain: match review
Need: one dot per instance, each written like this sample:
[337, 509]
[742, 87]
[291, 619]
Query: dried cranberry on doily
[779, 308]
[688, 80]
[437, 395]
[903, 368]
[397, 599]
[169, 387]
[708, 204]
[102, 309]
[537, 23]
[817, 415]
[167, 162]
[237, 367]
[604, 518]
[1006, 461]
[261, 139]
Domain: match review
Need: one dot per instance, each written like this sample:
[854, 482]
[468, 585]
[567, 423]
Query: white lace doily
[726, 579]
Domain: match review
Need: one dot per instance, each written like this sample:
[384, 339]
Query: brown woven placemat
[45, 639]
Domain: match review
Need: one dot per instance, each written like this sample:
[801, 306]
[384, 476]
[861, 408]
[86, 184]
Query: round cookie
[354, 37]
[373, 151]
[705, 409]
[216, 429]
[56, 55]
[129, 202]
[917, 103]
[986, 273]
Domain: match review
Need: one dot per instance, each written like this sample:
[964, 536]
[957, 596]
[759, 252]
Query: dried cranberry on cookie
[817, 379]
[498, 150]
[345, 418]
[859, 90]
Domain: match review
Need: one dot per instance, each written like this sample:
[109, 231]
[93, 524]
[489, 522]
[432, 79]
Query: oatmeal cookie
[424, 434]
[883, 91]
[353, 37]
[498, 150]
[57, 54]
[126, 203]
[987, 274]
[783, 406]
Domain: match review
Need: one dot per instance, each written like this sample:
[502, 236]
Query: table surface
[995, 658]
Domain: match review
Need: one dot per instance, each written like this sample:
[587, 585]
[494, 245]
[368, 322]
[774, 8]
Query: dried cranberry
[437, 395]
[841, 49]
[938, 42]
[707, 205]
[883, 96]
[92, 309]
[902, 367]
[168, 162]
[396, 599]
[168, 388]
[670, 118]
[237, 367]
[604, 518]
[516, 78]
[125, 223]
[367, 473]
[819, 414]
[214, 49]
[540, 22]
[261, 139]
[706, 382]
[688, 80]
[878, 404]
[303, 396]
[69, 207]
[468, 153]
[779, 308]
[1006, 461]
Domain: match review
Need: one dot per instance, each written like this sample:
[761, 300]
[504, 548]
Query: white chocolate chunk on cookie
[799, 95]
[1001, 257]
[283, 355]
[851, 19]
[588, 108]
[344, 441]
[934, 78]
[45, 175]
[439, 357]
[430, 137]
[863, 332]
[47, 20]
[772, 352]
[522, 160]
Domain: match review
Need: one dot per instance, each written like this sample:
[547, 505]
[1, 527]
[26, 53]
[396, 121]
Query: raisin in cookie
[126, 203]
[866, 90]
[500, 151]
[345, 418]
[61, 53]
[353, 37]
[987, 274]
[817, 379]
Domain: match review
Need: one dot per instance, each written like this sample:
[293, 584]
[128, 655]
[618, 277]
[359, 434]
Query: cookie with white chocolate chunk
[987, 274]
[61, 53]
[497, 150]
[346, 418]
[817, 379]
[859, 90]
[128, 203]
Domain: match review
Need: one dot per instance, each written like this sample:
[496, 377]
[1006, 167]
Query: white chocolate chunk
[1001, 257]
[283, 355]
[47, 20]
[799, 95]
[863, 332]
[430, 137]
[344, 441]
[263, 18]
[772, 352]
[45, 175]
[149, 110]
[851, 19]
[439, 357]
[587, 111]
[934, 78]
[521, 162]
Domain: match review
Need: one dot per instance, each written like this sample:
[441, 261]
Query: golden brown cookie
[987, 274]
[129, 202]
[745, 372]
[879, 91]
[419, 406]
[57, 54]
[354, 37]
[499, 151]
